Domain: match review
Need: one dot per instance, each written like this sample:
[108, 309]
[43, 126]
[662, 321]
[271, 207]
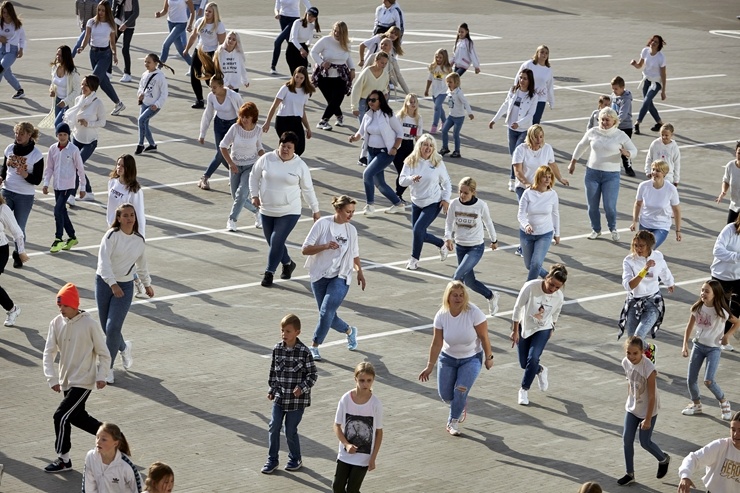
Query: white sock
[64, 457]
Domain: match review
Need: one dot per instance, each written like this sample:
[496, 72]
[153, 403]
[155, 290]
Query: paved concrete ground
[195, 397]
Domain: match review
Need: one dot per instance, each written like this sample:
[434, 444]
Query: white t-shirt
[99, 33]
[61, 84]
[637, 375]
[460, 338]
[340, 234]
[709, 327]
[531, 160]
[653, 64]
[293, 103]
[732, 178]
[359, 423]
[177, 11]
[209, 37]
[657, 204]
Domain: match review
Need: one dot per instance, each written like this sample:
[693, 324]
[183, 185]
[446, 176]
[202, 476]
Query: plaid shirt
[292, 367]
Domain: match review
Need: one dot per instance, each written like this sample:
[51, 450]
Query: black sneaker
[293, 465]
[444, 151]
[662, 467]
[637, 129]
[455, 154]
[17, 262]
[269, 467]
[267, 282]
[629, 171]
[626, 479]
[656, 127]
[20, 94]
[153, 148]
[288, 270]
[199, 105]
[59, 466]
[139, 150]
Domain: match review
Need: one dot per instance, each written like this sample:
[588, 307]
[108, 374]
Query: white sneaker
[724, 408]
[395, 209]
[125, 78]
[323, 125]
[412, 264]
[273, 72]
[594, 235]
[258, 220]
[89, 197]
[542, 382]
[12, 316]
[512, 185]
[692, 409]
[71, 200]
[523, 398]
[615, 235]
[127, 357]
[368, 209]
[140, 289]
[118, 108]
[230, 225]
[493, 304]
[110, 379]
[452, 427]
[727, 347]
[443, 252]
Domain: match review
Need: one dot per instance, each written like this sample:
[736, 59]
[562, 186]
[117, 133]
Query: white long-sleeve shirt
[732, 178]
[536, 310]
[670, 153]
[228, 110]
[539, 210]
[632, 264]
[119, 194]
[155, 92]
[290, 8]
[63, 165]
[300, 34]
[9, 226]
[89, 108]
[120, 476]
[543, 81]
[119, 255]
[433, 187]
[458, 103]
[465, 55]
[233, 68]
[726, 251]
[279, 185]
[15, 37]
[466, 221]
[605, 148]
[328, 49]
[720, 460]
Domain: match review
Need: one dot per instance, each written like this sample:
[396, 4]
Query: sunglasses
[372, 100]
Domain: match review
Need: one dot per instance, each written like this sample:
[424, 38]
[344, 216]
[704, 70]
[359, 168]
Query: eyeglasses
[372, 100]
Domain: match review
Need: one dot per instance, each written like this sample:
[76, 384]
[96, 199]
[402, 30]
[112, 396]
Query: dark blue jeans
[534, 249]
[329, 293]
[374, 176]
[537, 118]
[285, 24]
[61, 216]
[58, 112]
[648, 95]
[421, 219]
[515, 138]
[467, 258]
[276, 231]
[631, 424]
[112, 312]
[220, 127]
[292, 420]
[86, 150]
[530, 351]
[100, 61]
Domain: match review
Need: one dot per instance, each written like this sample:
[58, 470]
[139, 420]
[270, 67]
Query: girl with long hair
[289, 107]
[210, 33]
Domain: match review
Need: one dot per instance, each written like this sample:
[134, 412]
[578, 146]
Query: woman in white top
[731, 183]
[9, 227]
[290, 103]
[100, 34]
[607, 144]
[122, 253]
[64, 88]
[301, 34]
[128, 12]
[466, 217]
[241, 147]
[108, 467]
[425, 174]
[539, 222]
[652, 63]
[230, 62]
[535, 314]
[413, 126]
[276, 183]
[334, 72]
[463, 52]
[152, 94]
[383, 134]
[387, 15]
[396, 79]
[210, 33]
[180, 16]
[333, 255]
[286, 12]
[12, 44]
[530, 155]
[725, 267]
[656, 202]
[460, 342]
[543, 80]
[222, 106]
[643, 310]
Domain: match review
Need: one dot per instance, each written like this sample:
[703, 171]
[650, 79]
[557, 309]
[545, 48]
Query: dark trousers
[294, 58]
[61, 216]
[128, 35]
[5, 300]
[348, 478]
[195, 70]
[732, 216]
[71, 411]
[285, 24]
[407, 146]
[294, 124]
[626, 160]
[333, 89]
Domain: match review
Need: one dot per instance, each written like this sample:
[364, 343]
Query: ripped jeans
[455, 374]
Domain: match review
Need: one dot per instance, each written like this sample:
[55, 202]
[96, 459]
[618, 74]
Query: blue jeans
[641, 327]
[457, 122]
[329, 293]
[537, 118]
[467, 258]
[515, 138]
[86, 150]
[454, 379]
[631, 424]
[439, 109]
[21, 206]
[530, 351]
[374, 176]
[660, 235]
[292, 420]
[112, 312]
[699, 353]
[276, 231]
[534, 249]
[8, 56]
[239, 182]
[220, 127]
[58, 112]
[78, 43]
[100, 61]
[648, 95]
[460, 71]
[285, 24]
[421, 219]
[61, 216]
[146, 114]
[177, 36]
[602, 185]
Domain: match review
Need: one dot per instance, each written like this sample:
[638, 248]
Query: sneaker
[139, 149]
[629, 171]
[12, 315]
[518, 251]
[594, 235]
[293, 465]
[368, 209]
[395, 208]
[523, 398]
[452, 427]
[59, 466]
[203, 183]
[230, 225]
[433, 130]
[151, 148]
[20, 94]
[493, 304]
[71, 201]
[723, 406]
[273, 72]
[56, 247]
[615, 235]
[656, 127]
[267, 279]
[362, 161]
[412, 264]
[110, 379]
[443, 253]
[198, 105]
[542, 382]
[352, 338]
[140, 290]
[17, 262]
[727, 347]
[118, 108]
[650, 352]
[340, 121]
[127, 357]
[626, 479]
[323, 125]
[637, 129]
[512, 185]
[125, 78]
[70, 243]
[258, 220]
[455, 154]
[663, 467]
[692, 409]
[89, 197]
[269, 467]
[444, 151]
[315, 353]
[287, 270]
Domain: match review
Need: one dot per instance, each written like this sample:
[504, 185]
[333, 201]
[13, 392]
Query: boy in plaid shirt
[292, 374]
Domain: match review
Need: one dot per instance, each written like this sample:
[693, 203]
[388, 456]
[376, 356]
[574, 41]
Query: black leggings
[294, 58]
[195, 69]
[5, 300]
[294, 124]
[407, 146]
[128, 35]
[333, 89]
